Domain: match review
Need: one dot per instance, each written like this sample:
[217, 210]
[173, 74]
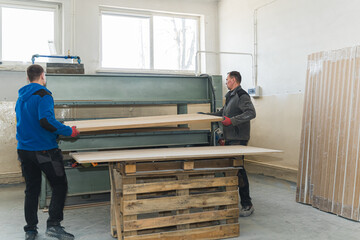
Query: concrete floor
[277, 216]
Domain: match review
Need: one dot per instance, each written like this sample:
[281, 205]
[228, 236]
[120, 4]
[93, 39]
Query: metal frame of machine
[124, 90]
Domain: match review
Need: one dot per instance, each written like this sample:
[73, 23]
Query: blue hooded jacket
[37, 128]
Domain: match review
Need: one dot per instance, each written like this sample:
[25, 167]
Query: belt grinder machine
[79, 97]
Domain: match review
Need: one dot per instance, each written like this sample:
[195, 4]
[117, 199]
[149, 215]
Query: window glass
[175, 43]
[149, 41]
[26, 32]
[125, 42]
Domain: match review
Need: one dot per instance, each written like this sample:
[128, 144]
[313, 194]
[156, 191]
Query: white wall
[288, 30]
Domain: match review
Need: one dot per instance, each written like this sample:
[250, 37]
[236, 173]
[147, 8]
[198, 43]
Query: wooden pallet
[196, 199]
[174, 193]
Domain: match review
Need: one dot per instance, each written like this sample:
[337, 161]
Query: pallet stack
[171, 200]
[171, 193]
[329, 169]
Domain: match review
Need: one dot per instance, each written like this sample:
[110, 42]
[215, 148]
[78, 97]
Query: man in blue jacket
[37, 131]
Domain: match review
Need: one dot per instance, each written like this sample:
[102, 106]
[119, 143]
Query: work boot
[59, 233]
[30, 235]
[246, 211]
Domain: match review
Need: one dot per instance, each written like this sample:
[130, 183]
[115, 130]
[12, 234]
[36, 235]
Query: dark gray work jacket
[240, 110]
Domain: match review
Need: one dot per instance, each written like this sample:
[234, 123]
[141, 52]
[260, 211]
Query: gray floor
[277, 216]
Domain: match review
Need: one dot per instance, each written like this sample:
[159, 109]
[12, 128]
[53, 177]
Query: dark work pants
[244, 190]
[51, 163]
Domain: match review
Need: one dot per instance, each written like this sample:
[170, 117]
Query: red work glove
[75, 132]
[226, 121]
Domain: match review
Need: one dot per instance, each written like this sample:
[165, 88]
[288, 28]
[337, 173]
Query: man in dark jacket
[237, 112]
[37, 131]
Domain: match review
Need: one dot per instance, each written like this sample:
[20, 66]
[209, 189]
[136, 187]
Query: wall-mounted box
[255, 92]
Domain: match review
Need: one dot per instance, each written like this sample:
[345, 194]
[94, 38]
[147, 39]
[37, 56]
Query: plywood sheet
[162, 154]
[328, 176]
[141, 122]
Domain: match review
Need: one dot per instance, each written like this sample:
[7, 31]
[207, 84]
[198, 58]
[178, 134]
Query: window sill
[147, 71]
[13, 66]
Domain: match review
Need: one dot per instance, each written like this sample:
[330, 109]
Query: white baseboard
[285, 173]
[10, 178]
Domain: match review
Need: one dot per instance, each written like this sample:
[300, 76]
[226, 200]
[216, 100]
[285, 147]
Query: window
[149, 41]
[27, 30]
[175, 43]
[126, 42]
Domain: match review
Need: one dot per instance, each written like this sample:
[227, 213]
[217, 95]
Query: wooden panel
[162, 154]
[181, 219]
[130, 197]
[172, 165]
[180, 184]
[349, 193]
[179, 172]
[303, 163]
[130, 168]
[184, 193]
[232, 188]
[136, 130]
[238, 162]
[207, 233]
[179, 202]
[329, 171]
[158, 166]
[141, 122]
[188, 165]
[113, 214]
[116, 216]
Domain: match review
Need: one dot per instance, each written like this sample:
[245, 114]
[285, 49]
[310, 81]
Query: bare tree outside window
[17, 25]
[127, 41]
[179, 43]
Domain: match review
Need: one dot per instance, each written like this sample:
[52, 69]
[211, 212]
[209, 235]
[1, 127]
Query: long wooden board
[141, 122]
[163, 154]
[132, 207]
[180, 184]
[181, 219]
[205, 233]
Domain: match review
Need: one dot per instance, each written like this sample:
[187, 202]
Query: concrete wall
[9, 85]
[81, 37]
[287, 30]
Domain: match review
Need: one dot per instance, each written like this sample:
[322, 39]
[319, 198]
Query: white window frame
[145, 14]
[55, 6]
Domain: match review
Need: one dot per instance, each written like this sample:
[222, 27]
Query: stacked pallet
[174, 193]
[173, 204]
[329, 171]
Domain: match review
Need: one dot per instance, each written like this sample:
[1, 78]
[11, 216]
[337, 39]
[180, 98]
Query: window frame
[147, 14]
[56, 7]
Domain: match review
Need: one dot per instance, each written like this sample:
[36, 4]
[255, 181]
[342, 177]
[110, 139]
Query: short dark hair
[236, 75]
[34, 72]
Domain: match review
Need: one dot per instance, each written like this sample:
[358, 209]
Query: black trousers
[243, 182]
[51, 163]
